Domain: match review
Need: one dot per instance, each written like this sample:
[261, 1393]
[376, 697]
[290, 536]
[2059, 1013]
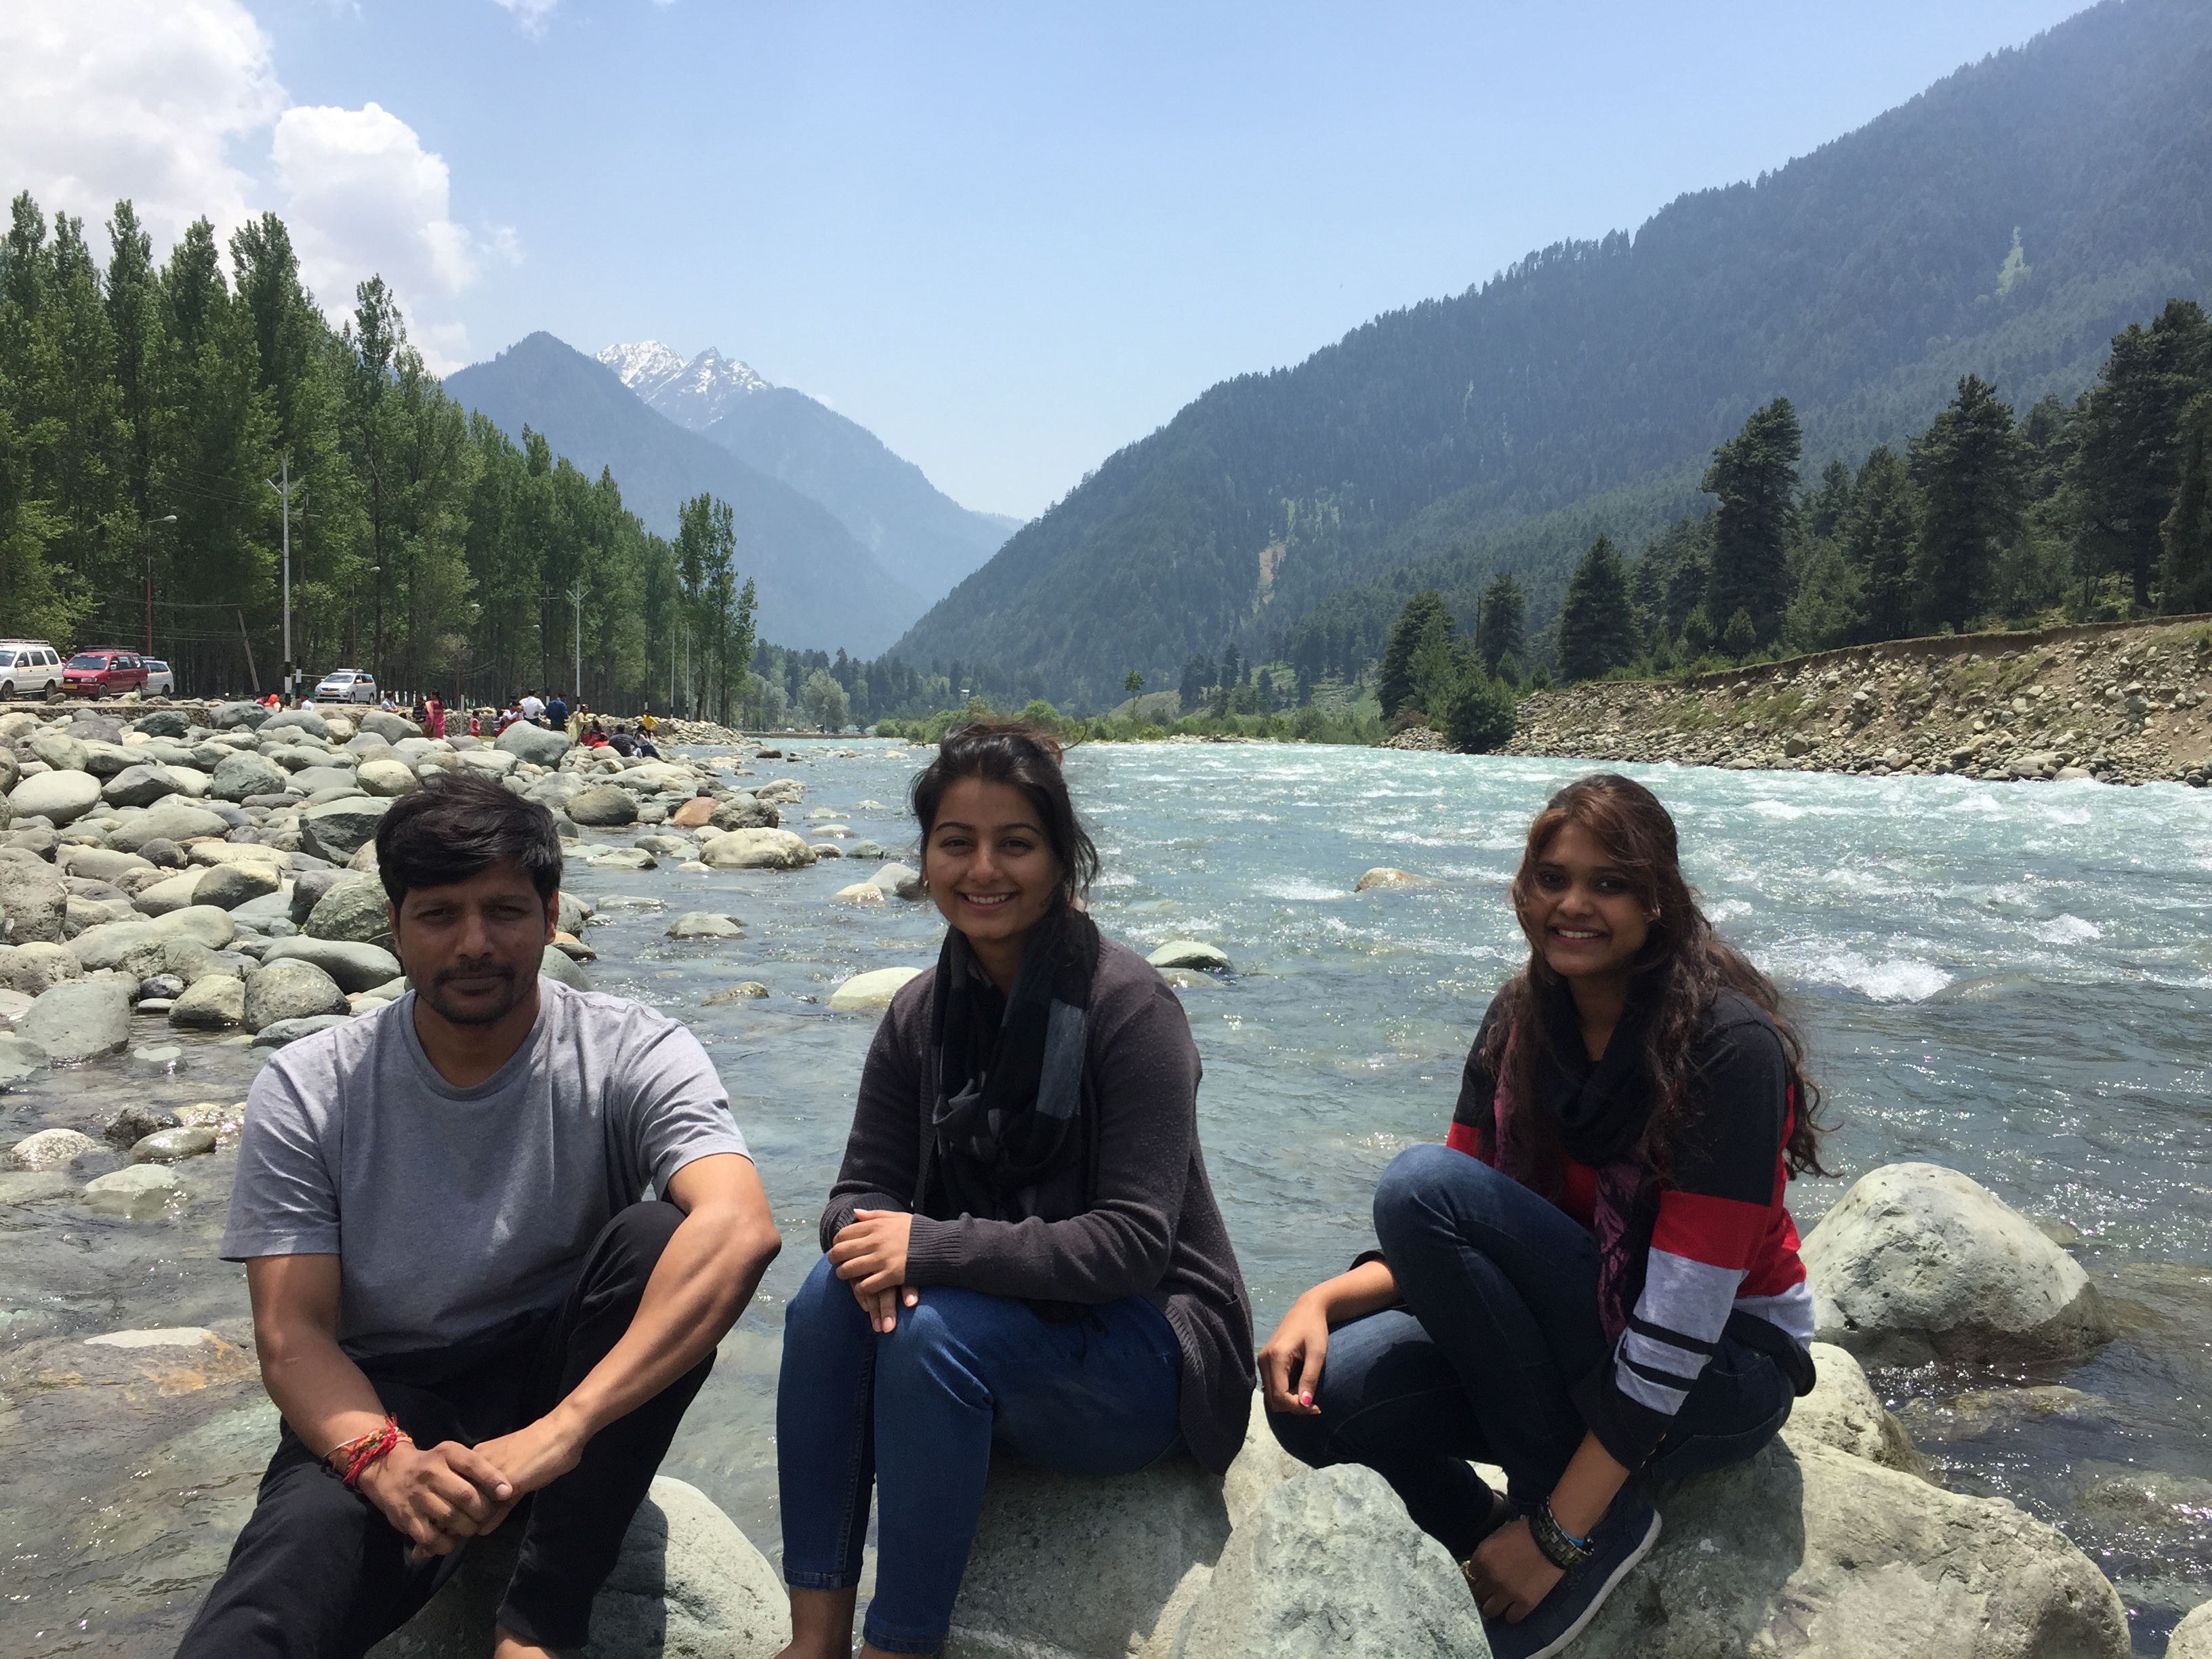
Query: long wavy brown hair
[1689, 963]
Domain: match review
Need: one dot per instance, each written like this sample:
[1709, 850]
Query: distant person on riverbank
[533, 708]
[556, 712]
[1023, 1247]
[433, 717]
[465, 1307]
[647, 723]
[508, 717]
[1595, 1276]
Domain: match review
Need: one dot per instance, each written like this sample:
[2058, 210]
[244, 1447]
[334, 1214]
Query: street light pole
[285, 496]
[578, 595]
[146, 547]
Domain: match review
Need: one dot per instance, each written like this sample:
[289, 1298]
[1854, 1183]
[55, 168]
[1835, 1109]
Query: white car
[29, 668]
[160, 681]
[346, 685]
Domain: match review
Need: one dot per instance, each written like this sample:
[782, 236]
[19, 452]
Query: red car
[104, 673]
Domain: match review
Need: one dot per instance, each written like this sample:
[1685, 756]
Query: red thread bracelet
[364, 1450]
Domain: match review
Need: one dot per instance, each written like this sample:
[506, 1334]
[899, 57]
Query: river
[2011, 980]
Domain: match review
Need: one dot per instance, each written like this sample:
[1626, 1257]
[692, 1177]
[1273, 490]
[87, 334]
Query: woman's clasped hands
[869, 1253]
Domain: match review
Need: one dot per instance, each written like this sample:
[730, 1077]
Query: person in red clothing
[1595, 1276]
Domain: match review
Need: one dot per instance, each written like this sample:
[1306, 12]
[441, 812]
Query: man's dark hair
[458, 824]
[1028, 757]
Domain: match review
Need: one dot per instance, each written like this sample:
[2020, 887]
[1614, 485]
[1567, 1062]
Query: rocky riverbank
[2124, 703]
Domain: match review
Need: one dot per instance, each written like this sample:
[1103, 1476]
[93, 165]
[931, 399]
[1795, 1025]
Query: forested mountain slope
[2006, 222]
[818, 587]
[920, 535]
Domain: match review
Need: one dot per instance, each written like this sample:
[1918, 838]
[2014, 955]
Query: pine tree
[2129, 460]
[1598, 627]
[1501, 624]
[1878, 532]
[1423, 613]
[2185, 571]
[1482, 716]
[1754, 474]
[1970, 465]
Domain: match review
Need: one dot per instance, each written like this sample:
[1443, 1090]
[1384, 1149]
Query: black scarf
[1598, 1108]
[1009, 1139]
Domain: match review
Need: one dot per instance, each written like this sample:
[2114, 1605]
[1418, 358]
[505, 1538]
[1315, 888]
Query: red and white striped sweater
[1723, 1243]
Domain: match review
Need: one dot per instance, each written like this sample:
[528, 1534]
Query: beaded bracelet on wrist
[1559, 1546]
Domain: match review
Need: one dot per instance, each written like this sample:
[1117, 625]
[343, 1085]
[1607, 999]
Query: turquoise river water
[2010, 980]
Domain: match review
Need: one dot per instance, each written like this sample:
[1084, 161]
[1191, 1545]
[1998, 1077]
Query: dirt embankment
[2127, 702]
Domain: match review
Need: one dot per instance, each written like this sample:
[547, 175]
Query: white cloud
[159, 100]
[106, 99]
[530, 14]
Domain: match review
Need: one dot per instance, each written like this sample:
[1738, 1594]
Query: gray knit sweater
[1153, 1231]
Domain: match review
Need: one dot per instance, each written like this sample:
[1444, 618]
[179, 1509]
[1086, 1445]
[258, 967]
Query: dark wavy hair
[458, 824]
[1689, 963]
[1028, 757]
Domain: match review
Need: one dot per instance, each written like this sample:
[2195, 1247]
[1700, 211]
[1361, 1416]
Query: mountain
[924, 536]
[2006, 221]
[818, 587]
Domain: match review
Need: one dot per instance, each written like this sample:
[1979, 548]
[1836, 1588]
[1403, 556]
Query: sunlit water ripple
[2004, 979]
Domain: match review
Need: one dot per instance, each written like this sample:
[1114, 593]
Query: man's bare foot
[505, 1644]
[821, 1625]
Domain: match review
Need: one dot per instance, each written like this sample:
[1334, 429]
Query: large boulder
[290, 990]
[242, 774]
[171, 893]
[20, 1061]
[2192, 1636]
[144, 1192]
[36, 967]
[744, 811]
[1331, 1564]
[535, 743]
[355, 966]
[385, 775]
[382, 723]
[79, 1019]
[140, 786]
[1190, 953]
[336, 829]
[899, 880]
[174, 821]
[327, 782]
[353, 907]
[51, 1149]
[59, 796]
[215, 1002]
[687, 1585]
[229, 885]
[873, 989]
[32, 898]
[553, 963]
[756, 849]
[1806, 1550]
[59, 748]
[225, 716]
[603, 807]
[1842, 1410]
[306, 720]
[1919, 1263]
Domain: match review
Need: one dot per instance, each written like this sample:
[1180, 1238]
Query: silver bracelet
[1561, 1547]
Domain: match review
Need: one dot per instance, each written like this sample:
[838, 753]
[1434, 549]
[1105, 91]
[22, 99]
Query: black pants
[319, 1573]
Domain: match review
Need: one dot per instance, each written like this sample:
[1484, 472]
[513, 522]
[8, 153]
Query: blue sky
[1008, 239]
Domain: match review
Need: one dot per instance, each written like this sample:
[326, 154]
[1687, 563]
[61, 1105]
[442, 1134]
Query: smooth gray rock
[139, 786]
[242, 775]
[337, 830]
[745, 813]
[281, 1032]
[79, 1019]
[214, 1003]
[386, 776]
[393, 728]
[225, 716]
[136, 1121]
[323, 784]
[756, 849]
[171, 1146]
[1810, 1550]
[270, 912]
[622, 858]
[35, 968]
[700, 924]
[1842, 1410]
[21, 1061]
[534, 743]
[555, 965]
[285, 990]
[603, 807]
[144, 1192]
[2192, 1636]
[51, 1149]
[307, 886]
[172, 893]
[1329, 1564]
[58, 748]
[1917, 1262]
[101, 863]
[687, 1585]
[899, 880]
[163, 723]
[306, 720]
[34, 900]
[352, 908]
[227, 886]
[172, 820]
[354, 965]
[59, 796]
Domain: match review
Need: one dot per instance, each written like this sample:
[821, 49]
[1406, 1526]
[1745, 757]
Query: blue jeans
[916, 1413]
[1498, 1322]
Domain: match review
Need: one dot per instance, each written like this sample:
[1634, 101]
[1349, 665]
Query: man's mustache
[493, 969]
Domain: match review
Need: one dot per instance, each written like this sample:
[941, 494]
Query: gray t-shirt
[453, 1211]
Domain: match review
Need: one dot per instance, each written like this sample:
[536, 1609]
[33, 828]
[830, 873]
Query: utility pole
[146, 546]
[285, 496]
[578, 595]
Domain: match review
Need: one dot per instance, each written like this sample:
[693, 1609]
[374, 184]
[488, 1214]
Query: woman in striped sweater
[1595, 1276]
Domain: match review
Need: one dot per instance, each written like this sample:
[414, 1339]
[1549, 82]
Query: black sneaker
[1622, 1539]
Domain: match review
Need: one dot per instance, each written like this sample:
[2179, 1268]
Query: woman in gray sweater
[1022, 1249]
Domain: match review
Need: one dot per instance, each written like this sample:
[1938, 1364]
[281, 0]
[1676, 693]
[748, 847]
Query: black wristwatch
[1561, 1547]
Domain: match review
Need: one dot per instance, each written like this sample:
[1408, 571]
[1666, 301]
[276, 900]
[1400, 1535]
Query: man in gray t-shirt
[464, 1299]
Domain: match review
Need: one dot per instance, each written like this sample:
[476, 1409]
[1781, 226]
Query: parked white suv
[29, 668]
[161, 682]
[346, 685]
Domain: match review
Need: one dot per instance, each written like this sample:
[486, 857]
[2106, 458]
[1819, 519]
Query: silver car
[346, 685]
[29, 668]
[161, 682]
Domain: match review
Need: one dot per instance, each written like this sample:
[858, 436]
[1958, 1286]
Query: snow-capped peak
[643, 367]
